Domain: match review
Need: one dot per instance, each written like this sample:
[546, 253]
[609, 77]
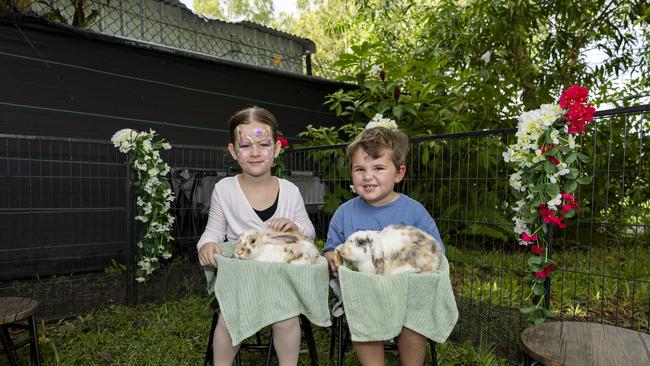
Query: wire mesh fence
[170, 24]
[65, 209]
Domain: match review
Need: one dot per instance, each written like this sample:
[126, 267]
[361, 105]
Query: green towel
[377, 307]
[253, 294]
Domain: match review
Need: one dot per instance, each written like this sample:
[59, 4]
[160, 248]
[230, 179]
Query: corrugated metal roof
[308, 44]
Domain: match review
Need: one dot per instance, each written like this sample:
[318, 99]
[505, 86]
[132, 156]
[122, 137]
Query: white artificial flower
[166, 255]
[555, 137]
[486, 56]
[554, 202]
[140, 279]
[572, 142]
[379, 121]
[375, 69]
[166, 146]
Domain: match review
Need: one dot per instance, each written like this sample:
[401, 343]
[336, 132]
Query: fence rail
[64, 207]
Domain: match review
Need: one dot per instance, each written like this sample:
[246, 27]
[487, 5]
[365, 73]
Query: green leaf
[549, 167]
[552, 189]
[425, 155]
[583, 158]
[538, 188]
[528, 310]
[397, 111]
[570, 186]
[584, 180]
[539, 290]
[571, 158]
[535, 260]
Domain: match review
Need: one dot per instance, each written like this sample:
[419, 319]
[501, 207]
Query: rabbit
[395, 249]
[271, 246]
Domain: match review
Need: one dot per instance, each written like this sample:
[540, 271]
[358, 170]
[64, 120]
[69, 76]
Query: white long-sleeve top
[231, 214]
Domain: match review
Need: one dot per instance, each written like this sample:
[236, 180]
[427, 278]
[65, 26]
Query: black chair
[340, 334]
[259, 345]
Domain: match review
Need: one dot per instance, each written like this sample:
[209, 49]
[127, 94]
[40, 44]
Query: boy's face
[254, 148]
[374, 179]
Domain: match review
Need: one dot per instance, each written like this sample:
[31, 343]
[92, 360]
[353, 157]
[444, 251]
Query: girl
[253, 200]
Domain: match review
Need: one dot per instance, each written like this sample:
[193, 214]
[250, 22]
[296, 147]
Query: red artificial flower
[575, 94]
[396, 93]
[546, 271]
[545, 213]
[568, 197]
[528, 238]
[284, 143]
[553, 160]
[536, 249]
[549, 216]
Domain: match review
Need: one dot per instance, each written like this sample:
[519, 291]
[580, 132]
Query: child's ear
[232, 150]
[401, 172]
[277, 148]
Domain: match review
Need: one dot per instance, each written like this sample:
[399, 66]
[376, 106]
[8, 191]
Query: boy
[377, 157]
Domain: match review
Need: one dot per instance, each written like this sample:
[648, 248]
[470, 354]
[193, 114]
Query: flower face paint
[254, 143]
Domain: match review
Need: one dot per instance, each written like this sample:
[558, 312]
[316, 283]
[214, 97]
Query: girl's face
[254, 148]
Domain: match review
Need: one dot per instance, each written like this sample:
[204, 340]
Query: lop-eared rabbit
[272, 246]
[395, 249]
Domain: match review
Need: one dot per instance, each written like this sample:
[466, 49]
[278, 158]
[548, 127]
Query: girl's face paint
[255, 148]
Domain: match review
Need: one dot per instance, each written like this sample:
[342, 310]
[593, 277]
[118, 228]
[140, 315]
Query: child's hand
[283, 224]
[206, 254]
[334, 268]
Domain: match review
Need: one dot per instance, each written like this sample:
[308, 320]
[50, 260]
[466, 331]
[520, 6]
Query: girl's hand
[283, 224]
[206, 254]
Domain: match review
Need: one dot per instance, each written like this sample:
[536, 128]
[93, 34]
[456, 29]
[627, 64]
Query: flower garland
[154, 197]
[547, 173]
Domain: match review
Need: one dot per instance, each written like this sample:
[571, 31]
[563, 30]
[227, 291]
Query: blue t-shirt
[356, 214]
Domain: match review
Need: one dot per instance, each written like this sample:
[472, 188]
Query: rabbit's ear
[286, 238]
[338, 258]
[377, 254]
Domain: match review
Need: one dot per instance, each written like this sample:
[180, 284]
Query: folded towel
[377, 307]
[253, 294]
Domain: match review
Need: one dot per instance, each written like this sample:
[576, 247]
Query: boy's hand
[206, 254]
[331, 260]
[283, 224]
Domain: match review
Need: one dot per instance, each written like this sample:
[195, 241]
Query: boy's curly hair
[374, 140]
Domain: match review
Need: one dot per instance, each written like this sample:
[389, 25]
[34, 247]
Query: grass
[175, 333]
[591, 284]
[594, 283]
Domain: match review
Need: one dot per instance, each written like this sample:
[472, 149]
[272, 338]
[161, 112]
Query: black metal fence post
[130, 236]
[308, 62]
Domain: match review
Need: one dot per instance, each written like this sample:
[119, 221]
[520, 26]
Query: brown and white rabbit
[395, 249]
[272, 246]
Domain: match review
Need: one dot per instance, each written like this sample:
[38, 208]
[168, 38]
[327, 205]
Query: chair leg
[309, 337]
[269, 350]
[333, 335]
[342, 341]
[434, 355]
[33, 333]
[209, 353]
[238, 358]
[8, 345]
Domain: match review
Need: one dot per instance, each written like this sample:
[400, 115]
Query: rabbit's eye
[253, 241]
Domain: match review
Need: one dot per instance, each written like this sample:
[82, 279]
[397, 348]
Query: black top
[267, 213]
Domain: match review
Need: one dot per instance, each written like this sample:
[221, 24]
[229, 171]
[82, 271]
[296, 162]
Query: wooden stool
[585, 344]
[13, 310]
